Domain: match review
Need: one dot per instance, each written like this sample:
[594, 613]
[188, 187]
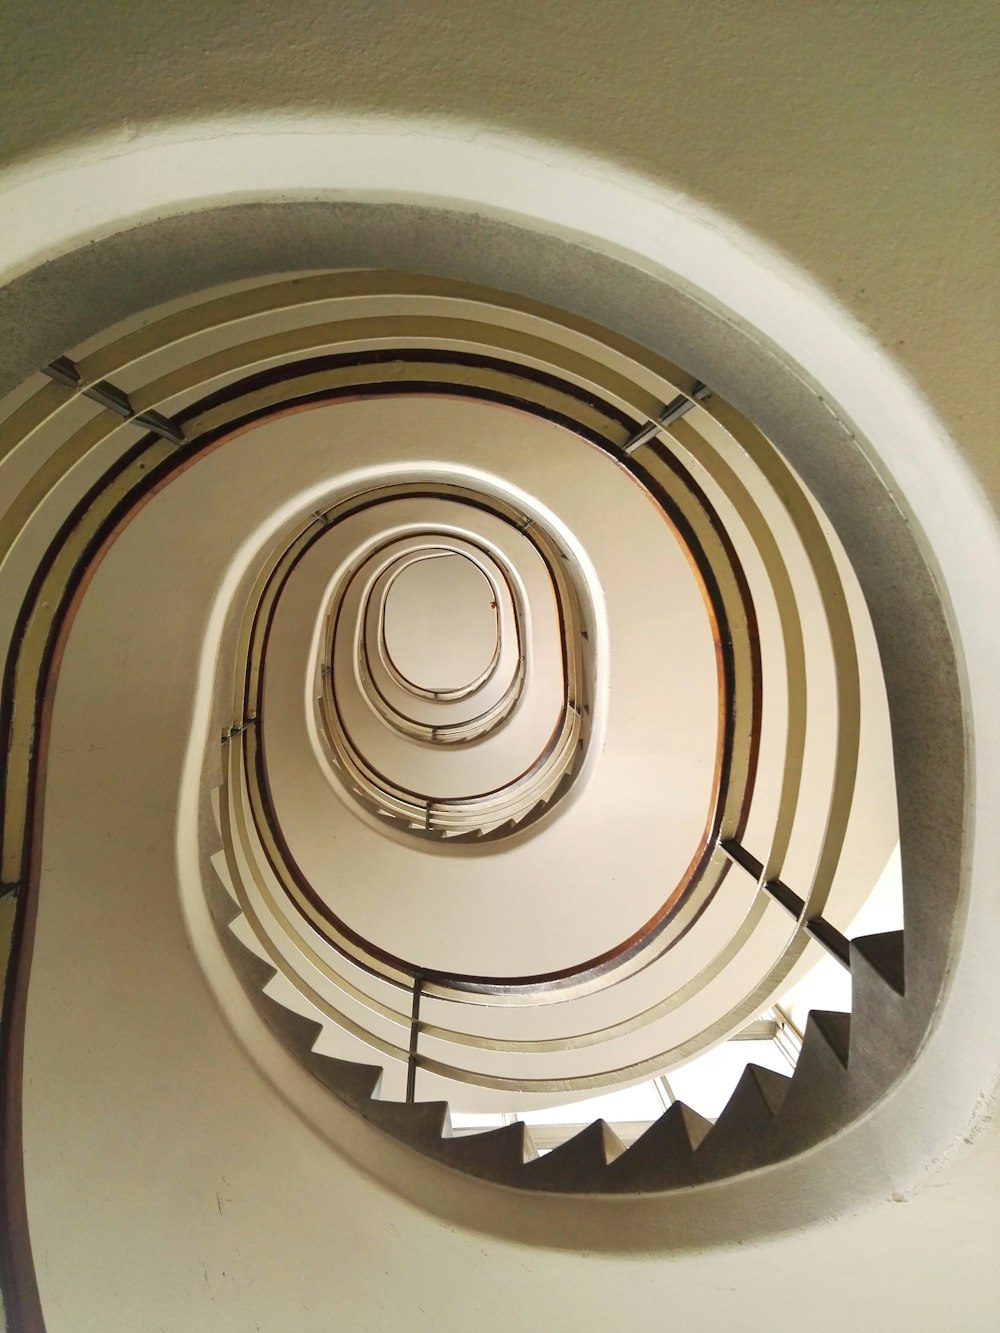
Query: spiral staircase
[423, 696]
[654, 742]
[256, 866]
[654, 734]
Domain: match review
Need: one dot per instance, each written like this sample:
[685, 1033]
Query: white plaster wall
[855, 137]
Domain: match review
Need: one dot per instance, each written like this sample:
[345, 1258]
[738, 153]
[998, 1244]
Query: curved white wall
[850, 140]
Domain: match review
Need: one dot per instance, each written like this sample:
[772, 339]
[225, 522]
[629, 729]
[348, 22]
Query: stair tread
[772, 1086]
[883, 954]
[499, 1153]
[664, 1155]
[416, 1123]
[815, 1103]
[350, 1080]
[222, 903]
[747, 1124]
[834, 1027]
[580, 1164]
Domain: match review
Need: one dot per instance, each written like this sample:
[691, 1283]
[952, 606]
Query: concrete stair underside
[768, 1117]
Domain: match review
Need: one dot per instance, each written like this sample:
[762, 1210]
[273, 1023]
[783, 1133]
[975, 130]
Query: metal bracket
[239, 727]
[63, 371]
[831, 939]
[67, 372]
[161, 425]
[111, 397]
[673, 411]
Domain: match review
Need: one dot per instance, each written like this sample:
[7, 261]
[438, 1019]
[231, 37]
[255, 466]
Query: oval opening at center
[440, 624]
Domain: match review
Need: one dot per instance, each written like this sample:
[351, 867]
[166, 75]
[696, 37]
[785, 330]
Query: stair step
[502, 830]
[221, 904]
[745, 1131]
[254, 972]
[772, 1086]
[883, 956]
[816, 1101]
[215, 802]
[242, 929]
[349, 1080]
[221, 867]
[420, 1124]
[284, 1021]
[578, 1166]
[664, 1157]
[881, 1037]
[496, 1154]
[833, 1029]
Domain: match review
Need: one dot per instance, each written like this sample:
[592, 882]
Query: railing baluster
[411, 1064]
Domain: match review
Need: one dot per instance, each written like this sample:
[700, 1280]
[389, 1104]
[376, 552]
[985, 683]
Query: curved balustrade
[545, 723]
[703, 946]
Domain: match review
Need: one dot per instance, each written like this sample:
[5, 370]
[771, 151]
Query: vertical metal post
[411, 1064]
